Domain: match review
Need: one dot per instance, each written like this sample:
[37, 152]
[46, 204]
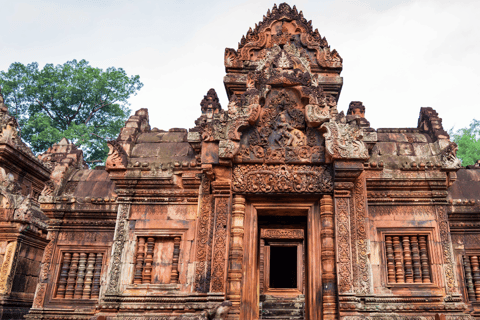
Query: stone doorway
[282, 271]
[274, 229]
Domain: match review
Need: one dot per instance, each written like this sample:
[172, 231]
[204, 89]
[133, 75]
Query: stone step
[282, 312]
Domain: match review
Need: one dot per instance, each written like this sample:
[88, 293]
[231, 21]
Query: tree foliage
[468, 141]
[84, 104]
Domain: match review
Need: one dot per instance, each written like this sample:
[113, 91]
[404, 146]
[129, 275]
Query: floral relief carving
[343, 245]
[282, 178]
[120, 238]
[204, 235]
[220, 247]
[362, 265]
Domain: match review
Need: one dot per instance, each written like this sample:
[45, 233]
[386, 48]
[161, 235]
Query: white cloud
[398, 56]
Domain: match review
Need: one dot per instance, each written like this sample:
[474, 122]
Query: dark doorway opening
[283, 267]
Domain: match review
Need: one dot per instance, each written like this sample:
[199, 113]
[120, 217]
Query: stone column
[235, 257]
[328, 258]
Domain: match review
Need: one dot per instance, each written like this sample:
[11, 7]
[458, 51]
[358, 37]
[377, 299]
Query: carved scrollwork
[117, 157]
[343, 141]
[281, 179]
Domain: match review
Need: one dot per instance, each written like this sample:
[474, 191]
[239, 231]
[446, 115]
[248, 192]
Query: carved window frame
[156, 233]
[61, 249]
[433, 252]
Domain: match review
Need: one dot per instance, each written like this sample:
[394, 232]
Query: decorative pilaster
[342, 235]
[118, 245]
[220, 244]
[328, 258]
[235, 258]
[204, 235]
[7, 270]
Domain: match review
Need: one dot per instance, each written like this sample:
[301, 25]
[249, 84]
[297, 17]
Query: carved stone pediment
[280, 26]
[262, 178]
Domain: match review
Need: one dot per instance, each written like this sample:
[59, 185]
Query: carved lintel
[281, 233]
[282, 178]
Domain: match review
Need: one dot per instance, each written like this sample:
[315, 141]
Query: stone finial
[210, 104]
[356, 108]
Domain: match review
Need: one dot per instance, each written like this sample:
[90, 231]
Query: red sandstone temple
[278, 207]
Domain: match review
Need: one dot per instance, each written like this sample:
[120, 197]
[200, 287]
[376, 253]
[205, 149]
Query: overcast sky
[398, 55]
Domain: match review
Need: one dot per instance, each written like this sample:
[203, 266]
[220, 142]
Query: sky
[398, 56]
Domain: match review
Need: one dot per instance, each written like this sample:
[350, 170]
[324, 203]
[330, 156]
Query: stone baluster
[72, 276]
[139, 260]
[407, 258]
[422, 241]
[390, 259]
[176, 254]
[87, 289]
[62, 281]
[80, 276]
[476, 275]
[469, 278]
[235, 258]
[96, 275]
[328, 257]
[397, 249]
[147, 270]
[417, 266]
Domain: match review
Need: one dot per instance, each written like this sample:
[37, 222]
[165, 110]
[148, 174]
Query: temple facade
[280, 206]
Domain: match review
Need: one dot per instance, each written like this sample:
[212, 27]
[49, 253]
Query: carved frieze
[262, 178]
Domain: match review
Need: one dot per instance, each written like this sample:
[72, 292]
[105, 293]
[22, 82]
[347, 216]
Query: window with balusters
[407, 259]
[156, 260]
[471, 270]
[79, 275]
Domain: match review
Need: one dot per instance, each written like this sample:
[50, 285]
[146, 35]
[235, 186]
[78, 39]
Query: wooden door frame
[250, 297]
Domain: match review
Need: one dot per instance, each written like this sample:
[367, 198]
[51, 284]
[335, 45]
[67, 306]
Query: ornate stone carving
[281, 234]
[204, 236]
[220, 245]
[344, 260]
[449, 265]
[343, 141]
[362, 265]
[120, 238]
[282, 178]
[448, 157]
[117, 157]
[7, 270]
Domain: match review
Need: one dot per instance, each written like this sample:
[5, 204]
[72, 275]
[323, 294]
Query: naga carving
[117, 157]
[343, 141]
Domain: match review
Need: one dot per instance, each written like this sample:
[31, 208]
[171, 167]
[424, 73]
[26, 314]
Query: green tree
[84, 104]
[468, 141]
